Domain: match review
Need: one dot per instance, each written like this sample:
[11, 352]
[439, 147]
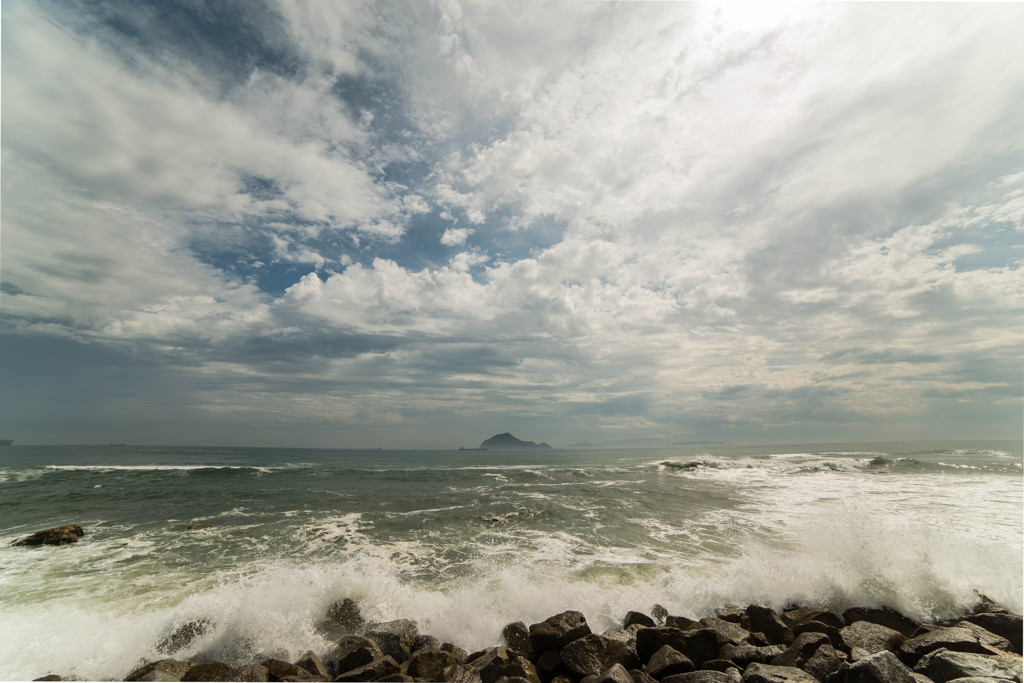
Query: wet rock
[650, 640]
[637, 618]
[511, 679]
[183, 636]
[803, 615]
[682, 623]
[278, 669]
[254, 672]
[212, 671]
[700, 645]
[48, 677]
[967, 637]
[425, 641]
[397, 678]
[743, 654]
[881, 667]
[517, 637]
[550, 662]
[826, 660]
[871, 637]
[161, 670]
[722, 665]
[346, 614]
[491, 663]
[659, 614]
[732, 614]
[375, 670]
[815, 626]
[802, 649]
[521, 667]
[768, 673]
[614, 674]
[883, 616]
[459, 654]
[430, 663]
[1003, 624]
[593, 654]
[727, 631]
[462, 673]
[58, 535]
[556, 632]
[704, 676]
[639, 676]
[351, 652]
[944, 665]
[312, 663]
[394, 638]
[667, 662]
[759, 619]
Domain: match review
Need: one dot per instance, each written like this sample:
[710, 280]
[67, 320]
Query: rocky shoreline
[754, 644]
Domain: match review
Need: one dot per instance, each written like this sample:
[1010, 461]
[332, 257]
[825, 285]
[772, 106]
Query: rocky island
[507, 441]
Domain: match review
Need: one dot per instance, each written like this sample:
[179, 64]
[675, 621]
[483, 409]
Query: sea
[464, 542]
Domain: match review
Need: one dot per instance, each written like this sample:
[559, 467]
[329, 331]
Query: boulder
[278, 669]
[593, 654]
[881, 667]
[769, 673]
[254, 672]
[394, 638]
[1003, 624]
[883, 616]
[870, 637]
[683, 623]
[614, 674]
[802, 649]
[650, 640]
[705, 676]
[556, 632]
[637, 618]
[759, 619]
[667, 662]
[733, 614]
[351, 652]
[462, 673]
[639, 676]
[375, 670]
[517, 637]
[700, 645]
[397, 678]
[459, 654]
[212, 671]
[183, 636]
[425, 641]
[491, 663]
[312, 663]
[803, 615]
[48, 677]
[815, 626]
[160, 670]
[659, 614]
[58, 535]
[430, 663]
[826, 660]
[944, 665]
[727, 631]
[345, 614]
[967, 637]
[521, 667]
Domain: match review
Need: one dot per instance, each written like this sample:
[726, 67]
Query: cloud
[454, 237]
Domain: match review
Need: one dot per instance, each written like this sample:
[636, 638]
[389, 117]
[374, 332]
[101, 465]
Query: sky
[418, 224]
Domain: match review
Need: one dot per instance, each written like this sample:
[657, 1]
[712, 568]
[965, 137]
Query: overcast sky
[414, 224]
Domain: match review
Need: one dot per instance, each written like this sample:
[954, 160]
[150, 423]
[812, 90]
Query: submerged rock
[58, 535]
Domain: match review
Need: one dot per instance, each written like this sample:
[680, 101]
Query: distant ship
[6, 442]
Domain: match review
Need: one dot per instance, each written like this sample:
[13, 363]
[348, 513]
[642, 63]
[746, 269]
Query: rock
[614, 674]
[637, 618]
[659, 614]
[377, 669]
[802, 649]
[550, 661]
[430, 663]
[425, 641]
[967, 637]
[394, 638]
[278, 669]
[732, 614]
[593, 654]
[183, 636]
[459, 654]
[727, 631]
[253, 672]
[871, 637]
[511, 679]
[768, 673]
[212, 671]
[667, 662]
[704, 676]
[679, 622]
[881, 667]
[197, 527]
[1003, 624]
[639, 676]
[345, 614]
[883, 616]
[351, 652]
[397, 678]
[742, 655]
[700, 645]
[48, 677]
[650, 640]
[462, 673]
[803, 615]
[491, 663]
[312, 663]
[517, 637]
[944, 665]
[521, 667]
[815, 626]
[556, 632]
[825, 660]
[986, 605]
[164, 670]
[506, 440]
[722, 665]
[759, 619]
[58, 535]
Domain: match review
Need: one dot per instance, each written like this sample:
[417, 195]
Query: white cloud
[453, 237]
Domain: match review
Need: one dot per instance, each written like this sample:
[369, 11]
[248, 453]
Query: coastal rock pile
[751, 645]
[58, 535]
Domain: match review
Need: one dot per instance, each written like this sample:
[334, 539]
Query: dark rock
[614, 674]
[377, 669]
[870, 637]
[881, 667]
[394, 638]
[459, 654]
[802, 615]
[48, 677]
[462, 673]
[346, 614]
[212, 671]
[650, 640]
[351, 652]
[593, 654]
[550, 661]
[491, 663]
[731, 614]
[815, 626]
[705, 676]
[397, 678]
[312, 663]
[967, 637]
[883, 616]
[198, 527]
[682, 623]
[164, 670]
[424, 641]
[659, 614]
[802, 649]
[727, 631]
[254, 672]
[183, 636]
[825, 660]
[768, 673]
[944, 665]
[278, 669]
[637, 618]
[667, 662]
[506, 440]
[743, 655]
[722, 665]
[521, 667]
[627, 636]
[512, 679]
[1003, 624]
[517, 637]
[759, 619]
[700, 645]
[430, 663]
[58, 535]
[639, 676]
[556, 632]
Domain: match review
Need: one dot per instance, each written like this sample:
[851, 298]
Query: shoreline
[755, 644]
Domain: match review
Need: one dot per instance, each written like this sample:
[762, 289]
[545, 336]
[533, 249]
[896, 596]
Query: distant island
[506, 440]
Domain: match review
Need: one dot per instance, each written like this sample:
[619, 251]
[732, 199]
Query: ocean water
[465, 542]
